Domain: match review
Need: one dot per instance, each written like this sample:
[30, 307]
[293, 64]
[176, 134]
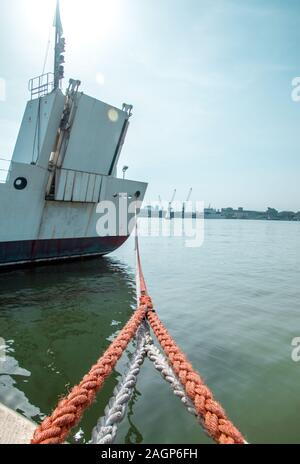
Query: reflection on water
[59, 320]
[232, 305]
[133, 436]
[9, 394]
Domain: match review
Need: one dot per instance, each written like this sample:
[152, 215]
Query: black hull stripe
[36, 251]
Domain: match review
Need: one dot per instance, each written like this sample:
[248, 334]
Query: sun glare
[100, 79]
[88, 22]
[91, 20]
[90, 27]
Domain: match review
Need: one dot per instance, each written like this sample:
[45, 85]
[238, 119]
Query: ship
[64, 165]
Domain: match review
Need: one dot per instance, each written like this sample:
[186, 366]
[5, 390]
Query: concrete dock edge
[14, 428]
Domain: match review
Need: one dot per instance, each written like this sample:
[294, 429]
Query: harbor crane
[173, 198]
[160, 206]
[188, 199]
[170, 209]
[189, 195]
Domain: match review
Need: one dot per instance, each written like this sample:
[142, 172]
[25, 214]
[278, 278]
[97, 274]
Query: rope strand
[213, 417]
[161, 365]
[174, 367]
[68, 413]
[104, 433]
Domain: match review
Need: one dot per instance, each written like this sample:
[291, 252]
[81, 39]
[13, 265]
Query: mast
[60, 44]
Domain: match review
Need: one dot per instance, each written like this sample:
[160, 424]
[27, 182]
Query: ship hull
[61, 198]
[29, 252]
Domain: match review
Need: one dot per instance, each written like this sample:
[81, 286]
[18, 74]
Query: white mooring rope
[104, 433]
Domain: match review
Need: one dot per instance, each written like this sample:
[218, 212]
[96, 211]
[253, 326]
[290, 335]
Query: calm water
[233, 305]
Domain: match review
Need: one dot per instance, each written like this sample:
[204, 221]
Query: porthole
[20, 183]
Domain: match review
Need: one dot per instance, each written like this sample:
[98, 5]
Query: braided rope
[68, 413]
[162, 366]
[213, 417]
[104, 433]
[198, 398]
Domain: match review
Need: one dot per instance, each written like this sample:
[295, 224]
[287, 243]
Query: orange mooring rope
[68, 413]
[212, 414]
[55, 429]
[210, 411]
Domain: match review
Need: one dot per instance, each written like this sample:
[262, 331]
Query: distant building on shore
[271, 214]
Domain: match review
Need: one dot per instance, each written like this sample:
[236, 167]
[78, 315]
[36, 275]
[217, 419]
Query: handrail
[41, 86]
[93, 173]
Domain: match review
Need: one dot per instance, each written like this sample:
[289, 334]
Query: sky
[210, 82]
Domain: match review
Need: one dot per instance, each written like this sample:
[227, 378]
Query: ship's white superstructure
[64, 164]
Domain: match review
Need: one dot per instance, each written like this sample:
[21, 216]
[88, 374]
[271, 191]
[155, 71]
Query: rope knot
[145, 300]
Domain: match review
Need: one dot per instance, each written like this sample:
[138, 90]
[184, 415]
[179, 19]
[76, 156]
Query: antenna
[60, 45]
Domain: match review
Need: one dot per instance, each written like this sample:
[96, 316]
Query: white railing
[41, 85]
